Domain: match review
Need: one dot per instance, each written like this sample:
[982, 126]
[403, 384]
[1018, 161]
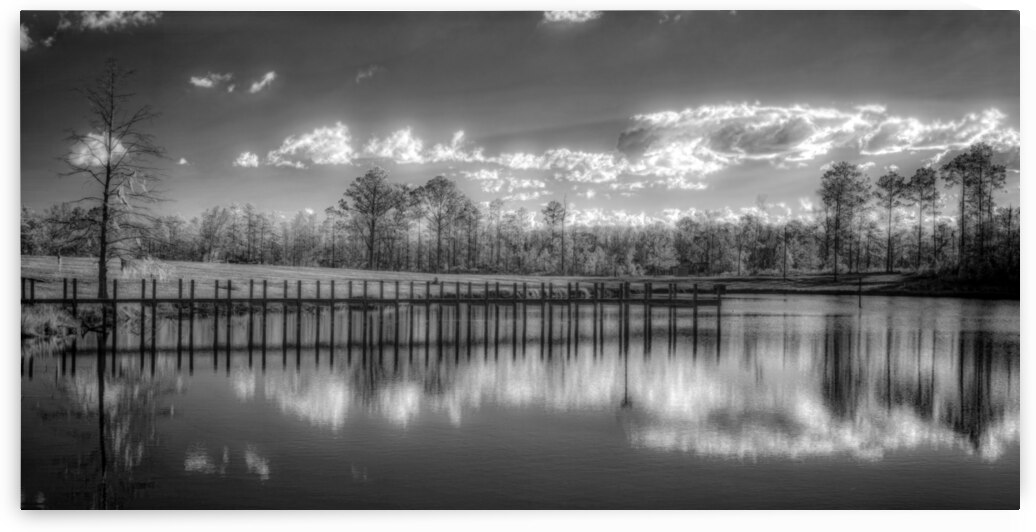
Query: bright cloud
[707, 139]
[668, 150]
[402, 147]
[496, 182]
[26, 40]
[263, 82]
[368, 72]
[325, 145]
[108, 20]
[211, 80]
[455, 151]
[569, 17]
[92, 151]
[247, 160]
[182, 162]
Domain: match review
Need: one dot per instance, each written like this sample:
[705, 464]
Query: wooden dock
[370, 301]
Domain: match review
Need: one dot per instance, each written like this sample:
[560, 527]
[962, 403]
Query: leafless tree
[117, 156]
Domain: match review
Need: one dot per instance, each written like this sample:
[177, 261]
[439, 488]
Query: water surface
[797, 402]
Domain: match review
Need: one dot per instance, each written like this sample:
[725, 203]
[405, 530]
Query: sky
[630, 117]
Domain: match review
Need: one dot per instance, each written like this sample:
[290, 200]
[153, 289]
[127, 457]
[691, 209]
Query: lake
[790, 402]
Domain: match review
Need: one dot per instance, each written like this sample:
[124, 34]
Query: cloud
[91, 151]
[704, 140]
[494, 181]
[247, 160]
[569, 17]
[322, 146]
[182, 162]
[401, 147]
[669, 17]
[211, 80]
[368, 72]
[264, 82]
[107, 20]
[26, 40]
[455, 151]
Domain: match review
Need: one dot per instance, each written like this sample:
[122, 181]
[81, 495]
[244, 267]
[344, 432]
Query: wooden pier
[371, 302]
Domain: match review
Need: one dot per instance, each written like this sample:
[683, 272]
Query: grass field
[49, 275]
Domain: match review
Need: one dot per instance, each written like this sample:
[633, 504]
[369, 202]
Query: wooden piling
[230, 320]
[262, 338]
[190, 323]
[316, 334]
[298, 320]
[179, 320]
[143, 313]
[154, 319]
[331, 333]
[115, 319]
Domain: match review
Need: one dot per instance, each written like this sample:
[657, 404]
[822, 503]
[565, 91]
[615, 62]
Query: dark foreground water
[803, 402]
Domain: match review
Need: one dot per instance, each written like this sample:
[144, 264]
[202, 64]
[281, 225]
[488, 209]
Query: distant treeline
[893, 223]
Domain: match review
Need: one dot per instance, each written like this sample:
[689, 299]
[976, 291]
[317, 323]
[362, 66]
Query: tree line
[896, 223]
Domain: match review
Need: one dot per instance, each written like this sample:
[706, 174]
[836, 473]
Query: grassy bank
[49, 275]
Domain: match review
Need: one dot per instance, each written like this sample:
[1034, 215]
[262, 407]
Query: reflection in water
[778, 382]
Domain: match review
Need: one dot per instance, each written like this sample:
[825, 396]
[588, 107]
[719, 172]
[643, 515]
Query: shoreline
[49, 275]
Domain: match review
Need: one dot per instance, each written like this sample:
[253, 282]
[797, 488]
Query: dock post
[331, 333]
[284, 324]
[575, 332]
[251, 319]
[349, 323]
[190, 323]
[648, 326]
[719, 314]
[32, 290]
[316, 334]
[395, 321]
[381, 317]
[75, 318]
[440, 308]
[485, 317]
[672, 317]
[298, 321]
[215, 318]
[514, 320]
[154, 319]
[143, 313]
[64, 288]
[230, 320]
[179, 320]
[115, 321]
[550, 321]
[262, 336]
[694, 301]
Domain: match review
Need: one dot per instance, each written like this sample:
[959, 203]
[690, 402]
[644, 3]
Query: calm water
[803, 402]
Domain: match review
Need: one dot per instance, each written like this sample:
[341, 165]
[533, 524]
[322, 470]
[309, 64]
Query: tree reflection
[794, 386]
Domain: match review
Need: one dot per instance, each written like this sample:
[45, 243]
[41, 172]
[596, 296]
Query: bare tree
[117, 156]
